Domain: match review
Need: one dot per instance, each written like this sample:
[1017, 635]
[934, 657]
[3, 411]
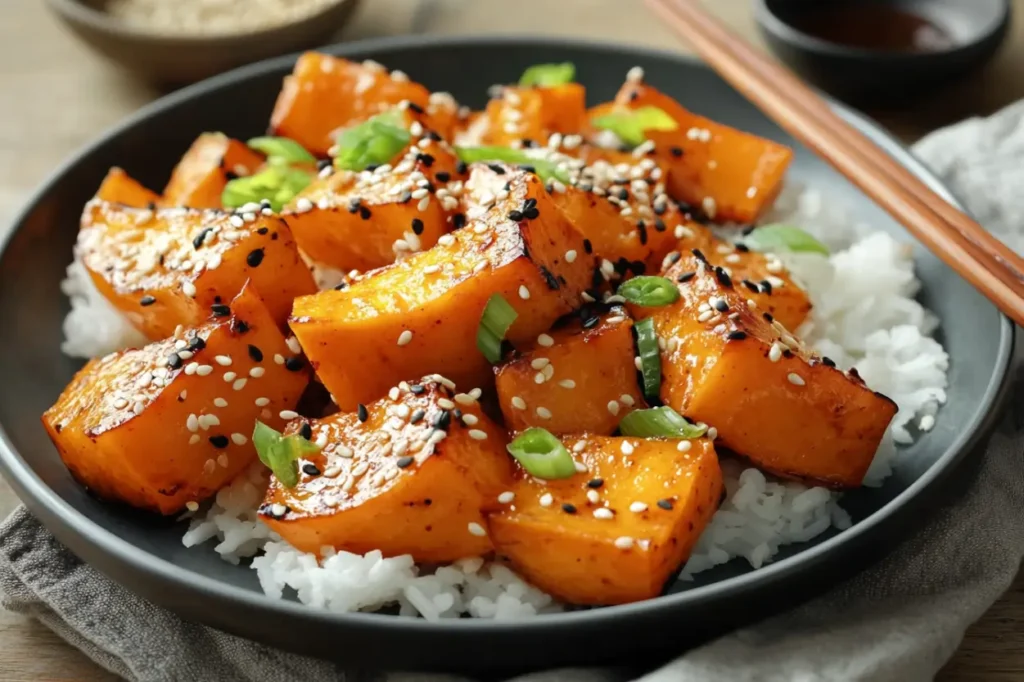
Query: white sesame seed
[684, 446]
[192, 506]
[539, 363]
[543, 413]
[220, 402]
[635, 75]
[795, 379]
[262, 402]
[120, 403]
[278, 359]
[257, 372]
[446, 240]
[405, 337]
[603, 513]
[204, 370]
[593, 496]
[524, 293]
[570, 256]
[518, 403]
[402, 411]
[477, 434]
[627, 447]
[192, 423]
[545, 340]
[346, 452]
[627, 400]
[424, 203]
[927, 423]
[546, 499]
[476, 393]
[445, 403]
[321, 441]
[394, 393]
[288, 415]
[470, 419]
[613, 407]
[464, 399]
[638, 507]
[580, 446]
[223, 460]
[624, 542]
[506, 497]
[712, 433]
[476, 529]
[222, 360]
[775, 352]
[194, 439]
[239, 384]
[580, 467]
[239, 439]
[567, 383]
[188, 289]
[293, 345]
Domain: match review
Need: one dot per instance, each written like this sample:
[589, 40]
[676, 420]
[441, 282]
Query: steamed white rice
[864, 316]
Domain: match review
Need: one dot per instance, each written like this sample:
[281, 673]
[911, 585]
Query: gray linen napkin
[900, 620]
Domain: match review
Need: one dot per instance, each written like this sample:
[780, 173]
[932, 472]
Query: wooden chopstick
[960, 242]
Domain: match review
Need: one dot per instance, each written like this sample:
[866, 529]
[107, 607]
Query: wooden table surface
[56, 95]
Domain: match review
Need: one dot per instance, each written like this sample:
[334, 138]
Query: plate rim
[64, 520]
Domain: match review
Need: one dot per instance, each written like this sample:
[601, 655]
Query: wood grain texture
[57, 95]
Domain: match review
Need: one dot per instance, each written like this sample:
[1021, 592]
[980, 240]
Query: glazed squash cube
[740, 371]
[761, 278]
[168, 424]
[412, 477]
[120, 188]
[168, 267]
[365, 220]
[579, 378]
[199, 178]
[326, 94]
[618, 532]
[729, 174]
[534, 113]
[421, 314]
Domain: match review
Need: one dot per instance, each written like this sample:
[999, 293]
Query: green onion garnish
[375, 141]
[783, 238]
[649, 291]
[276, 183]
[650, 356]
[548, 75]
[279, 453]
[544, 169]
[630, 125]
[659, 422]
[542, 454]
[281, 150]
[494, 323]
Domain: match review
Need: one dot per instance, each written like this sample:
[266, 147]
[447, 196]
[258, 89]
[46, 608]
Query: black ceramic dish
[885, 77]
[146, 554]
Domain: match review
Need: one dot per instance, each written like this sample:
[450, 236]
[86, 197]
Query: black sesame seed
[220, 310]
[660, 208]
[768, 317]
[417, 226]
[787, 353]
[403, 462]
[665, 504]
[294, 363]
[742, 248]
[723, 277]
[675, 151]
[372, 167]
[362, 413]
[310, 469]
[219, 441]
[147, 300]
[496, 168]
[699, 255]
[737, 335]
[531, 213]
[151, 205]
[595, 483]
[255, 353]
[405, 197]
[341, 286]
[766, 286]
[638, 267]
[460, 167]
[622, 194]
[353, 205]
[196, 343]
[364, 213]
[674, 257]
[443, 176]
[750, 285]
[273, 236]
[659, 225]
[306, 431]
[417, 389]
[854, 373]
[416, 416]
[174, 361]
[549, 279]
[515, 216]
[641, 228]
[459, 220]
[686, 276]
[569, 508]
[827, 361]
[254, 258]
[239, 326]
[528, 168]
[426, 159]
[721, 305]
[633, 95]
[415, 107]
[201, 237]
[323, 163]
[263, 230]
[591, 322]
[443, 420]
[587, 246]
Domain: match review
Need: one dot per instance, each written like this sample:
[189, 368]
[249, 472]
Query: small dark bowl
[868, 76]
[176, 59]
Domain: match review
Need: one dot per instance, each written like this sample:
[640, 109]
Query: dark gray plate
[146, 554]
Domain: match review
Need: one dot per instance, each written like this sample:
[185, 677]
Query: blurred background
[71, 68]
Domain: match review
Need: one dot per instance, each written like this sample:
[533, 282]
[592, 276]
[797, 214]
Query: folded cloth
[900, 620]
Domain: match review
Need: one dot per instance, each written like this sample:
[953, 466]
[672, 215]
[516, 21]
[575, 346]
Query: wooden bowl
[178, 59]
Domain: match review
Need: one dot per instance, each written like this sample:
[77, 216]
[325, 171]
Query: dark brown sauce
[871, 26]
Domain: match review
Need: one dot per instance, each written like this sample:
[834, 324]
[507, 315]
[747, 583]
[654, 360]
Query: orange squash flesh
[534, 113]
[581, 558]
[153, 267]
[133, 426]
[199, 178]
[590, 386]
[326, 94]
[397, 484]
[787, 411]
[729, 174]
[421, 314]
[120, 188]
[365, 220]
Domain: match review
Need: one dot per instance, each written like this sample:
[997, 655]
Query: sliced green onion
[650, 356]
[779, 237]
[494, 323]
[279, 453]
[629, 126]
[281, 149]
[375, 141]
[659, 422]
[542, 454]
[544, 169]
[548, 75]
[649, 291]
[278, 184]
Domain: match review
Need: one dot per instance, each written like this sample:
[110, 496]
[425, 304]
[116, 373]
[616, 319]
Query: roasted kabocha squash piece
[326, 94]
[411, 473]
[578, 378]
[168, 424]
[364, 220]
[534, 113]
[199, 178]
[168, 267]
[617, 531]
[120, 188]
[421, 314]
[737, 369]
[728, 174]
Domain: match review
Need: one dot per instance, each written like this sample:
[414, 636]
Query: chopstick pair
[988, 264]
